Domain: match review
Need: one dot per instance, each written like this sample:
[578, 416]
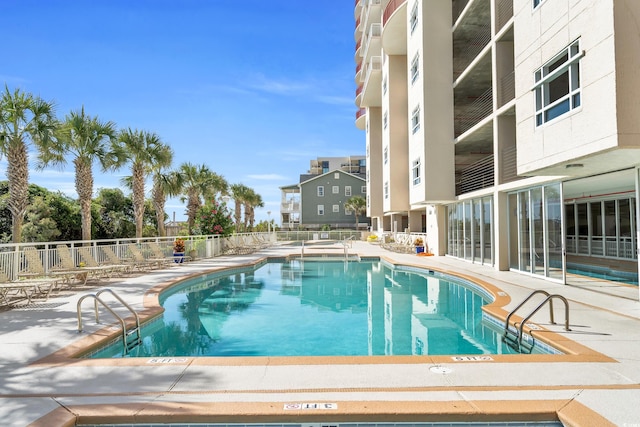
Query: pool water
[603, 273]
[329, 308]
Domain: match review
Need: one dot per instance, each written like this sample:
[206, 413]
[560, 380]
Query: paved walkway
[580, 390]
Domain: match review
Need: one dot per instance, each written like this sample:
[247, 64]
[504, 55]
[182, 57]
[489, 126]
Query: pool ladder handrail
[348, 242]
[127, 344]
[514, 340]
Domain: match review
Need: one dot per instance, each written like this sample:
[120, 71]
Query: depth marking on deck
[168, 360]
[299, 406]
[472, 358]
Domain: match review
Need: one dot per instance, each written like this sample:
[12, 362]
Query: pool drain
[440, 370]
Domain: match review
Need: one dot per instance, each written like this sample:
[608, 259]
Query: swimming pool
[329, 308]
[630, 278]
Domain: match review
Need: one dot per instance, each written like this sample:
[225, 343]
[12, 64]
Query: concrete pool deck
[41, 386]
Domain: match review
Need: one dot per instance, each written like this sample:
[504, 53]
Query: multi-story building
[318, 198]
[505, 129]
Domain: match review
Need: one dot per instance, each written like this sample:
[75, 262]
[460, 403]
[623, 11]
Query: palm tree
[239, 193]
[143, 150]
[24, 118]
[357, 205]
[164, 184]
[87, 139]
[253, 201]
[196, 182]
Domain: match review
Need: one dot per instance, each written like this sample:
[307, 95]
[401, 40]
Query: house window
[320, 210]
[348, 211]
[386, 155]
[385, 120]
[557, 87]
[386, 190]
[336, 175]
[347, 191]
[320, 191]
[415, 171]
[415, 120]
[336, 208]
[415, 68]
[363, 189]
[414, 17]
[335, 189]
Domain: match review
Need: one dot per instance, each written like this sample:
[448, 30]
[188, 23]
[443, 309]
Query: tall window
[384, 85]
[347, 190]
[335, 189]
[320, 191]
[386, 155]
[386, 190]
[415, 69]
[363, 189]
[320, 210]
[557, 88]
[385, 120]
[536, 3]
[415, 120]
[336, 208]
[415, 171]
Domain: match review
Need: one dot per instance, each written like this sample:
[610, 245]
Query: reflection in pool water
[303, 308]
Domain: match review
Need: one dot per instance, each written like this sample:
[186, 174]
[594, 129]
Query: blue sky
[254, 89]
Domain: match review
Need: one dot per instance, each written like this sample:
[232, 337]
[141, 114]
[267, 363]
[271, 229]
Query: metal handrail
[539, 291]
[121, 302]
[79, 308]
[550, 299]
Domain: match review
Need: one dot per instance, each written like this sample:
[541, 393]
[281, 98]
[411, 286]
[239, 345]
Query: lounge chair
[11, 291]
[87, 255]
[126, 264]
[34, 268]
[162, 257]
[234, 247]
[139, 261]
[67, 264]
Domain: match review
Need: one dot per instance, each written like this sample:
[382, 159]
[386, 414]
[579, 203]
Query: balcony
[372, 93]
[477, 176]
[504, 12]
[358, 52]
[472, 34]
[372, 43]
[507, 89]
[358, 31]
[359, 95]
[394, 28]
[359, 78]
[469, 115]
[361, 118]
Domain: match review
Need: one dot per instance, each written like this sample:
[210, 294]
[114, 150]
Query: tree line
[28, 121]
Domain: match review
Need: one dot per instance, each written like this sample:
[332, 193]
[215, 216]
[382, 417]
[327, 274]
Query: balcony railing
[359, 90]
[472, 48]
[391, 7]
[361, 112]
[504, 12]
[474, 113]
[507, 88]
[477, 176]
[458, 7]
[509, 165]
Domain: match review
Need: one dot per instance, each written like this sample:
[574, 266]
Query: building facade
[505, 129]
[327, 209]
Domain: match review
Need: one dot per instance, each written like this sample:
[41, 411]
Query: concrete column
[500, 231]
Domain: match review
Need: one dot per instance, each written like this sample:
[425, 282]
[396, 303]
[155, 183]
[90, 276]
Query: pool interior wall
[349, 424]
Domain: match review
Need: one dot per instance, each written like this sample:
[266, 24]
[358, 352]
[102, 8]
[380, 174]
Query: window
[347, 191]
[336, 208]
[384, 85]
[320, 191]
[386, 190]
[415, 171]
[557, 87]
[348, 211]
[415, 68]
[414, 17]
[368, 177]
[385, 120]
[320, 210]
[386, 155]
[335, 189]
[415, 120]
[336, 175]
[363, 189]
[536, 3]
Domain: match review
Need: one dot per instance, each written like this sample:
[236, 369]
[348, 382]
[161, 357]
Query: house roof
[330, 172]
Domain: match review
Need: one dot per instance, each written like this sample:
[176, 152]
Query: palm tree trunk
[138, 197]
[84, 188]
[238, 214]
[18, 174]
[157, 195]
[193, 204]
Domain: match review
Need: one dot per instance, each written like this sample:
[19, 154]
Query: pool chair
[16, 290]
[164, 259]
[108, 270]
[139, 261]
[126, 265]
[68, 265]
[34, 268]
[236, 247]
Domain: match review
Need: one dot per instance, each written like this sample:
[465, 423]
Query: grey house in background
[319, 200]
[322, 200]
